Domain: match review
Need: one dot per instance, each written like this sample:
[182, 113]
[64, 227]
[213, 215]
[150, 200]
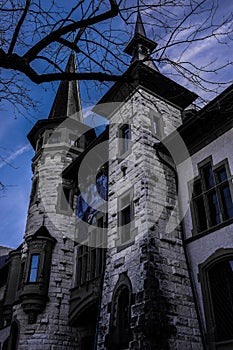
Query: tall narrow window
[124, 138]
[119, 331]
[126, 214]
[34, 189]
[91, 257]
[39, 143]
[33, 271]
[211, 200]
[65, 198]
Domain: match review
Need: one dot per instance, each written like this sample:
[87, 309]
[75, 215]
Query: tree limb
[19, 25]
[56, 34]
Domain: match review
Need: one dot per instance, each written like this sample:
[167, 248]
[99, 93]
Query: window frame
[40, 142]
[131, 225]
[156, 117]
[34, 190]
[61, 193]
[220, 255]
[30, 268]
[123, 284]
[121, 140]
[205, 194]
[93, 247]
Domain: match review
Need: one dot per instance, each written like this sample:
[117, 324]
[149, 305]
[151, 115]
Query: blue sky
[15, 148]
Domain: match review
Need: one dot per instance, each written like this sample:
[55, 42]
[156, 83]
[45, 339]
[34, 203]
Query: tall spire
[140, 46]
[139, 28]
[67, 101]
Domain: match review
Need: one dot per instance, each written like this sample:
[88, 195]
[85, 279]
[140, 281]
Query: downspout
[156, 146]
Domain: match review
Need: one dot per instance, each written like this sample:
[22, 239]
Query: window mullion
[207, 209]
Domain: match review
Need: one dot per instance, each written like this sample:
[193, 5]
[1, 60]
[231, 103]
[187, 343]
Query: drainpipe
[156, 146]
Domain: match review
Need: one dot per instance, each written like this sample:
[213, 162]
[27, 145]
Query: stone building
[128, 241]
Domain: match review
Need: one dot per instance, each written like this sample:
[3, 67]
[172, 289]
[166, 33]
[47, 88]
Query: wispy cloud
[12, 156]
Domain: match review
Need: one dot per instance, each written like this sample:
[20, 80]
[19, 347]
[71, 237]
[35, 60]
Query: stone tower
[147, 298]
[37, 298]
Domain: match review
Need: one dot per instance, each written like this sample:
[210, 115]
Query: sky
[15, 170]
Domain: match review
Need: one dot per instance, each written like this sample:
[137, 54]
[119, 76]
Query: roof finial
[139, 28]
[141, 47]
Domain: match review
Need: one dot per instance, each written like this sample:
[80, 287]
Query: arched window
[119, 331]
[217, 286]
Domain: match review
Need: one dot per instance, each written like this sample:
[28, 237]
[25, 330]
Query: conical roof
[67, 101]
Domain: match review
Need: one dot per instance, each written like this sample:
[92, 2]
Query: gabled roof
[42, 233]
[207, 125]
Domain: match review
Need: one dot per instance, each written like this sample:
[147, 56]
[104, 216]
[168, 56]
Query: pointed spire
[67, 102]
[139, 28]
[140, 46]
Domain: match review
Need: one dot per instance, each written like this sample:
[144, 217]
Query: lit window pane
[34, 268]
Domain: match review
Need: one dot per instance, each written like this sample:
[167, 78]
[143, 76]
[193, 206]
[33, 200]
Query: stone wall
[162, 312]
[51, 330]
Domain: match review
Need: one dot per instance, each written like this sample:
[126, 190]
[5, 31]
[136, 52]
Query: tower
[37, 298]
[146, 301]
